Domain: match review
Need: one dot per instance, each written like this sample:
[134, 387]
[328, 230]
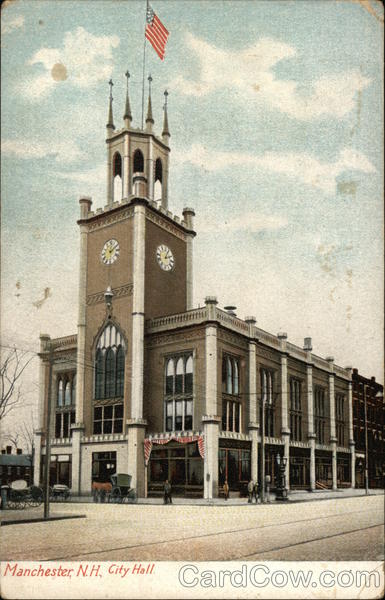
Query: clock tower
[135, 264]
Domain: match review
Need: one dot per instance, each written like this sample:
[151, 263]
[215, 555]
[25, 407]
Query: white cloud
[301, 166]
[250, 221]
[250, 71]
[63, 151]
[83, 60]
[9, 25]
[88, 176]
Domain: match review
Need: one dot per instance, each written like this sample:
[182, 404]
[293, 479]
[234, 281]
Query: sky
[275, 114]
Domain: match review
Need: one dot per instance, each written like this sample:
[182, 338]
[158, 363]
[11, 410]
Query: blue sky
[275, 113]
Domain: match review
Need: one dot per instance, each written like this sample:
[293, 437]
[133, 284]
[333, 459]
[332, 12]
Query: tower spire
[165, 132]
[149, 118]
[127, 111]
[110, 124]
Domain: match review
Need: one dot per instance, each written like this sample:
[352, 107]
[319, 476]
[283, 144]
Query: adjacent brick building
[375, 410]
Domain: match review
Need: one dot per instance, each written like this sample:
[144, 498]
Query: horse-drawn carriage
[20, 495]
[117, 491]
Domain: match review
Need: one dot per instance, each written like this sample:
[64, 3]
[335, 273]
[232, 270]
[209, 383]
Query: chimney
[307, 345]
[9, 449]
[231, 310]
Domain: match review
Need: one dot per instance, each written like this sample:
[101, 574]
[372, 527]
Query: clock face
[165, 258]
[110, 252]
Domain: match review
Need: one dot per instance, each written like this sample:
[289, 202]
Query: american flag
[156, 33]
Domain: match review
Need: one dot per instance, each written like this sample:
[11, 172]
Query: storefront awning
[148, 442]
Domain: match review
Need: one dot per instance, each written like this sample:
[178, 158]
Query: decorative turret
[149, 118]
[110, 124]
[165, 132]
[127, 111]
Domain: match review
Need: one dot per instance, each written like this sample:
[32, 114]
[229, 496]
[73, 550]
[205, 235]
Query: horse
[101, 490]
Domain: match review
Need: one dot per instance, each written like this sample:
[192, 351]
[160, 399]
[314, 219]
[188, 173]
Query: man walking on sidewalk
[167, 492]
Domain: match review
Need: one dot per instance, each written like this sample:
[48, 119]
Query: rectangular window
[178, 415]
[319, 414]
[295, 410]
[108, 419]
[169, 415]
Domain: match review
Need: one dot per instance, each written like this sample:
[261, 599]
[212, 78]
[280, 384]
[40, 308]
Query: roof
[16, 460]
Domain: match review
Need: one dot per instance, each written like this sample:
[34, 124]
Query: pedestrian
[226, 489]
[256, 491]
[167, 492]
[250, 491]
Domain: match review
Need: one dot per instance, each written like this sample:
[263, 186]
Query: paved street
[333, 529]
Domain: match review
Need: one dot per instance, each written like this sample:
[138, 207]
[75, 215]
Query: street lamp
[280, 488]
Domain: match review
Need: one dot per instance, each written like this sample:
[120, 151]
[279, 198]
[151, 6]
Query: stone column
[136, 425]
[351, 431]
[77, 433]
[332, 409]
[188, 215]
[285, 430]
[310, 411]
[126, 167]
[252, 400]
[211, 420]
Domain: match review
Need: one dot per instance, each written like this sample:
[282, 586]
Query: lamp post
[281, 491]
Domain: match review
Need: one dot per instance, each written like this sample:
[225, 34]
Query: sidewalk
[294, 496]
[58, 512]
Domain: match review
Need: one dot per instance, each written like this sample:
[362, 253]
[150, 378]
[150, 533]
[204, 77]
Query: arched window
[120, 371]
[117, 176]
[179, 377]
[158, 179]
[67, 394]
[60, 393]
[117, 164]
[73, 390]
[138, 162]
[229, 376]
[110, 374]
[170, 373]
[109, 364]
[188, 380]
[236, 378]
[99, 375]
[178, 406]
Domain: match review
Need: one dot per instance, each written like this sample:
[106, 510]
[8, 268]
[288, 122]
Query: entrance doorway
[103, 466]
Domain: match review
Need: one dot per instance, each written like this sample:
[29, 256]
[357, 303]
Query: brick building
[373, 392]
[15, 466]
[155, 387]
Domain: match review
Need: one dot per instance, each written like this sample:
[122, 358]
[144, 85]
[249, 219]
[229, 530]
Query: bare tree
[13, 364]
[12, 438]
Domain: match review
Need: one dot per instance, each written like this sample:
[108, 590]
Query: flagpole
[144, 64]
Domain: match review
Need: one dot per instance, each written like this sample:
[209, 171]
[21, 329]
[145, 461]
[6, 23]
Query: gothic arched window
[178, 393]
[117, 176]
[67, 394]
[120, 371]
[109, 364]
[117, 164]
[60, 393]
[138, 162]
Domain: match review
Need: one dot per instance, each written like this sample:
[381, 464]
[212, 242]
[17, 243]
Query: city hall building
[151, 385]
